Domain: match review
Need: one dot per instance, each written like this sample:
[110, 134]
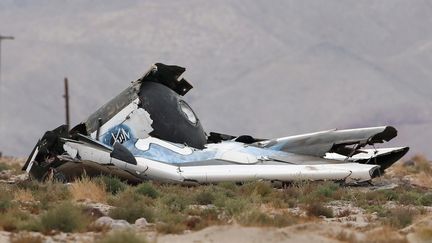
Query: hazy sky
[265, 68]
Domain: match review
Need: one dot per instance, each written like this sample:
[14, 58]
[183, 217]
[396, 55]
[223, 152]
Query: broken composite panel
[148, 132]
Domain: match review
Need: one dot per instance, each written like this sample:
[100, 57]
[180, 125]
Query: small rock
[97, 207]
[120, 224]
[141, 223]
[202, 207]
[106, 221]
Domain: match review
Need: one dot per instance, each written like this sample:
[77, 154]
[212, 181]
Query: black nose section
[170, 121]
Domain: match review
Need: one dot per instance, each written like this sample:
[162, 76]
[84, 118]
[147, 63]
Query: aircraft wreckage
[148, 132]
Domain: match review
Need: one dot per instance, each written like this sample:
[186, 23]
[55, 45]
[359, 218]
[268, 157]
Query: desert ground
[396, 207]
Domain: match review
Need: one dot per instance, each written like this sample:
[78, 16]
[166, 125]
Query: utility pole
[66, 96]
[1, 39]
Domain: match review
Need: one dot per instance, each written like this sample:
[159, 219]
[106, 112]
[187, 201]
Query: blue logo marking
[120, 133]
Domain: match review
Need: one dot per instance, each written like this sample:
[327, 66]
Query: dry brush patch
[175, 208]
[87, 189]
[123, 236]
[385, 235]
[23, 195]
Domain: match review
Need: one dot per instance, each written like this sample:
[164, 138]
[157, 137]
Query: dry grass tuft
[425, 233]
[421, 164]
[23, 195]
[385, 235]
[317, 209]
[123, 236]
[86, 189]
[346, 236]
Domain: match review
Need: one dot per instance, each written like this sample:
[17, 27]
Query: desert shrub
[10, 221]
[23, 195]
[309, 192]
[260, 188]
[399, 217]
[130, 206]
[175, 202]
[4, 166]
[384, 235]
[280, 203]
[421, 164]
[64, 217]
[112, 184]
[235, 206]
[368, 199]
[376, 197]
[85, 188]
[220, 199]
[409, 198]
[170, 222]
[391, 195]
[147, 189]
[31, 185]
[50, 193]
[5, 198]
[317, 209]
[425, 233]
[208, 217]
[327, 189]
[122, 236]
[379, 209]
[426, 199]
[196, 219]
[257, 218]
[204, 197]
[230, 186]
[133, 212]
[345, 236]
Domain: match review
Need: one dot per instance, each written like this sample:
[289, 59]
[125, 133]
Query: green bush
[64, 217]
[235, 206]
[122, 236]
[175, 202]
[16, 219]
[260, 188]
[230, 186]
[5, 198]
[399, 217]
[133, 212]
[327, 189]
[147, 189]
[390, 195]
[257, 218]
[409, 198]
[317, 209]
[112, 184]
[204, 198]
[50, 193]
[130, 206]
[379, 209]
[4, 166]
[426, 199]
[170, 222]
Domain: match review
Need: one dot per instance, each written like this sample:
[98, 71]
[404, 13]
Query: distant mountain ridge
[263, 68]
